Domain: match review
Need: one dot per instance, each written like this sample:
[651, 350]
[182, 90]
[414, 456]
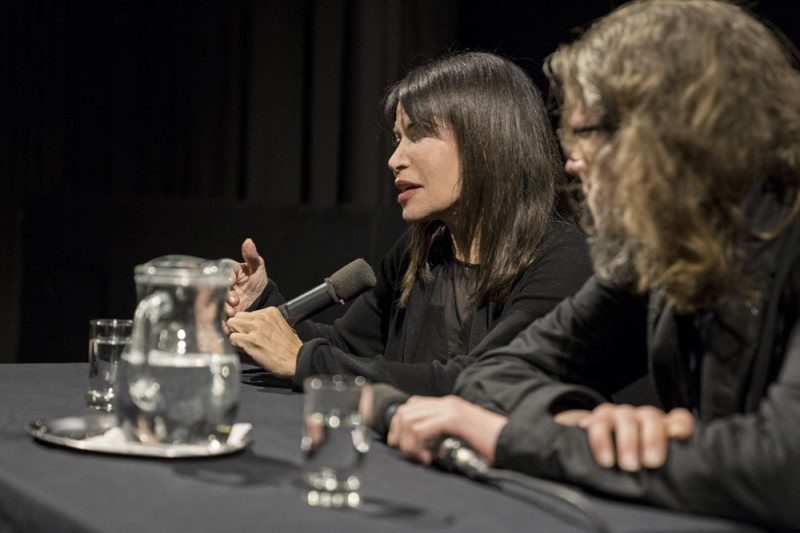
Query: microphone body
[455, 455]
[309, 303]
[452, 454]
[343, 285]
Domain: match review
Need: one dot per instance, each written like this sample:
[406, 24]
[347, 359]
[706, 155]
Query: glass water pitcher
[179, 378]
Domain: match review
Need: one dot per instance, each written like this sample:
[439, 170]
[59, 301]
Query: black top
[736, 365]
[408, 348]
[451, 293]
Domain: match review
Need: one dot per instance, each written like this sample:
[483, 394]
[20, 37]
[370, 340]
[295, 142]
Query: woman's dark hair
[512, 180]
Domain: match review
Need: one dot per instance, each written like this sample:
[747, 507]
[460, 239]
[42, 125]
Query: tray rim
[40, 430]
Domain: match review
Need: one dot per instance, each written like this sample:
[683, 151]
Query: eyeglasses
[582, 132]
[570, 137]
[586, 131]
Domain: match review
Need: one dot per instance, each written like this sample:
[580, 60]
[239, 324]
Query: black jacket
[405, 347]
[743, 460]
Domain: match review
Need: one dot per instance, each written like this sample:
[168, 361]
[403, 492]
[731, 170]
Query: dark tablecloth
[50, 488]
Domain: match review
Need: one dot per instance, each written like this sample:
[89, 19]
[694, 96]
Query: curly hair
[512, 181]
[704, 103]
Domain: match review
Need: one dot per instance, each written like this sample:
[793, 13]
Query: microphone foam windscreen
[353, 279]
[385, 400]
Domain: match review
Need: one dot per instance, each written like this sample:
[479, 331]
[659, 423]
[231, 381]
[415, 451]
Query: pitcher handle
[148, 314]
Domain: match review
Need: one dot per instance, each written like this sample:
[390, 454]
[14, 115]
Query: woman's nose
[397, 161]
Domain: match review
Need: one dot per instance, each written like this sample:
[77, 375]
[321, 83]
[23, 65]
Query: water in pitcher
[178, 398]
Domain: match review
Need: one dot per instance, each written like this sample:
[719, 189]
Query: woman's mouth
[407, 190]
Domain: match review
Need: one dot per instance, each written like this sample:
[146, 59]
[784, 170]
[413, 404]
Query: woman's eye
[414, 133]
[410, 132]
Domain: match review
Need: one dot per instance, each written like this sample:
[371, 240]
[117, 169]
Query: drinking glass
[335, 439]
[107, 338]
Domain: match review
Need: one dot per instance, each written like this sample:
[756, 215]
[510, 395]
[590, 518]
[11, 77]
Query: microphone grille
[353, 279]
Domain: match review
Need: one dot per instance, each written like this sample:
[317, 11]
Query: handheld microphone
[343, 285]
[385, 401]
[455, 455]
[452, 454]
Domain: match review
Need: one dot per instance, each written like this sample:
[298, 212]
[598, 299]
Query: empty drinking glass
[335, 439]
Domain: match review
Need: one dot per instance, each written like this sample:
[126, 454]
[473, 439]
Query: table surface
[51, 488]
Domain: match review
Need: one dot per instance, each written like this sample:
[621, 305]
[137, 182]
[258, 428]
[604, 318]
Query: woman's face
[426, 170]
[586, 134]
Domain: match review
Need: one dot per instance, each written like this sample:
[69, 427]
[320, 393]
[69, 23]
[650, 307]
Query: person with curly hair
[682, 120]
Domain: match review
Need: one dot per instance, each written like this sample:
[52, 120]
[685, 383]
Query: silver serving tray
[98, 432]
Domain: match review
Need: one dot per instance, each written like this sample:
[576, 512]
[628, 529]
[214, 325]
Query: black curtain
[226, 100]
[223, 98]
[239, 100]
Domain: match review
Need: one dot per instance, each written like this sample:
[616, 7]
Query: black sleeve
[740, 466]
[271, 297]
[559, 272]
[432, 379]
[745, 467]
[595, 341]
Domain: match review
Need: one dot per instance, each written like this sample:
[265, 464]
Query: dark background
[131, 129]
